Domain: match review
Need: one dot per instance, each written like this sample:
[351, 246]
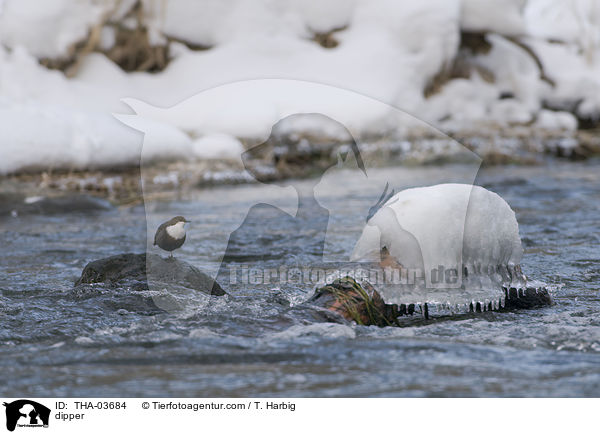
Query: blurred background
[509, 79]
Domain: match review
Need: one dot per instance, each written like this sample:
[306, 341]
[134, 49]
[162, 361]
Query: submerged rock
[136, 269]
[16, 204]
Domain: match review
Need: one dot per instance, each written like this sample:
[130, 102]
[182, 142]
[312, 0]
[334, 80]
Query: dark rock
[111, 270]
[13, 203]
[587, 121]
[506, 95]
[79, 203]
[527, 298]
[9, 202]
[137, 269]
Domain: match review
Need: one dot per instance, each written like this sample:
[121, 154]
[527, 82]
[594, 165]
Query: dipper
[171, 235]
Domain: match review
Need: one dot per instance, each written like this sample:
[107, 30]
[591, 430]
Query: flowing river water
[58, 340]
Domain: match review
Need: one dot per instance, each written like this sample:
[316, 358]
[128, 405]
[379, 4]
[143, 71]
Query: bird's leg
[171, 255]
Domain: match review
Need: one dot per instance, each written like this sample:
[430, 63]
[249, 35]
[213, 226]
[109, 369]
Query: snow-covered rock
[448, 245]
[556, 120]
[499, 16]
[448, 225]
[48, 28]
[218, 146]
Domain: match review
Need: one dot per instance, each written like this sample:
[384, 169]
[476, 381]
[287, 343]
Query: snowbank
[389, 51]
[49, 28]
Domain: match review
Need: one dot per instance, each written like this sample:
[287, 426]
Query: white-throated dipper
[171, 235]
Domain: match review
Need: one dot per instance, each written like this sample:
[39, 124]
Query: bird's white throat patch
[176, 231]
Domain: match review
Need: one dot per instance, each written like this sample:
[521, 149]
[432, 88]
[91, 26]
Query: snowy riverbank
[507, 79]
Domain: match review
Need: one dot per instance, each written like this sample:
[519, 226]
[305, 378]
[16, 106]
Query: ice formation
[463, 241]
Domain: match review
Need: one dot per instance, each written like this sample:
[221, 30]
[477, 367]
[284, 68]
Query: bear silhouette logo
[25, 412]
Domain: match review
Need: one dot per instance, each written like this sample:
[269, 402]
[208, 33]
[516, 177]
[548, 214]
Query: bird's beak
[188, 221]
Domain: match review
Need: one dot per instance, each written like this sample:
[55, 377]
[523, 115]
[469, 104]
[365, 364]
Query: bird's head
[179, 219]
